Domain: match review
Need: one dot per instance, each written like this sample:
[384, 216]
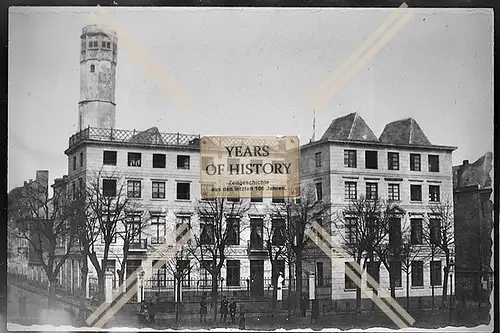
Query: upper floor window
[433, 163]
[92, 68]
[183, 191]
[393, 193]
[106, 45]
[109, 187]
[371, 191]
[433, 193]
[158, 190]
[233, 273]
[417, 273]
[182, 162]
[134, 188]
[371, 159]
[393, 161]
[319, 191]
[351, 227]
[109, 157]
[435, 270]
[317, 159]
[435, 231]
[233, 231]
[350, 158]
[278, 231]
[415, 162]
[416, 192]
[351, 191]
[81, 159]
[278, 196]
[74, 162]
[159, 160]
[207, 230]
[416, 231]
[134, 159]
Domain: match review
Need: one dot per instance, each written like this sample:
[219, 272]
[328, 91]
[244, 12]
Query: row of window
[94, 44]
[158, 189]
[416, 269]
[135, 160]
[371, 160]
[393, 192]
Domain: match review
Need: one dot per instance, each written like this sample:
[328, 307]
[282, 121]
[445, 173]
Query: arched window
[92, 68]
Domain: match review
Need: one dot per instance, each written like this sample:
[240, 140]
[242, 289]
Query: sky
[251, 72]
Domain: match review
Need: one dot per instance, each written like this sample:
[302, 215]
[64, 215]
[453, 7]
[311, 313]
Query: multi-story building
[401, 165]
[472, 191]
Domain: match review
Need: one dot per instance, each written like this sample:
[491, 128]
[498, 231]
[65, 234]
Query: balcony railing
[139, 245]
[148, 137]
[256, 247]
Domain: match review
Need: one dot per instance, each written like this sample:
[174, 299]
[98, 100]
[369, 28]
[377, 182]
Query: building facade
[349, 161]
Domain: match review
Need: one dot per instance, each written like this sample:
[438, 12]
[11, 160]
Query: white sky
[250, 72]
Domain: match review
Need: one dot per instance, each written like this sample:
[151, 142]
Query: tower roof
[98, 29]
[350, 127]
[405, 131]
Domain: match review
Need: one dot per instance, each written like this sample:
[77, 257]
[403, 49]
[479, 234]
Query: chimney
[465, 162]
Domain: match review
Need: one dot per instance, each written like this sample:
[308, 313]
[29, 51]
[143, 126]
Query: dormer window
[92, 68]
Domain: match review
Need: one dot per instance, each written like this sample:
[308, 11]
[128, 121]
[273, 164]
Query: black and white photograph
[250, 169]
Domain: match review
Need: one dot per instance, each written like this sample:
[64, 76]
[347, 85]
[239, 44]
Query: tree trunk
[407, 291]
[445, 280]
[289, 296]
[358, 289]
[214, 297]
[178, 292]
[298, 279]
[83, 290]
[101, 276]
[52, 293]
[275, 299]
[392, 282]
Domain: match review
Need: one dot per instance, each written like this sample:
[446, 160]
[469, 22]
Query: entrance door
[257, 278]
[132, 266]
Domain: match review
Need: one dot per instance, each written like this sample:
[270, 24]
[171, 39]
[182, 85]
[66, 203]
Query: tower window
[92, 68]
[103, 44]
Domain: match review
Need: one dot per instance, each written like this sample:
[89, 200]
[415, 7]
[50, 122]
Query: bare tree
[107, 205]
[46, 225]
[219, 217]
[363, 227]
[408, 253]
[299, 214]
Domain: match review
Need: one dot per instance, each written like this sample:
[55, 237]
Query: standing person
[303, 305]
[203, 310]
[223, 310]
[241, 325]
[232, 310]
[152, 312]
[315, 311]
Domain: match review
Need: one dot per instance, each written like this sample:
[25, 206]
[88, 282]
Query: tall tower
[97, 77]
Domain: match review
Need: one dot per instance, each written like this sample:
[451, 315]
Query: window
[393, 192]
[207, 230]
[235, 196]
[278, 196]
[91, 44]
[103, 44]
[134, 188]
[435, 231]
[159, 160]
[80, 186]
[433, 193]
[256, 196]
[350, 230]
[134, 159]
[278, 231]
[350, 159]
[396, 273]
[319, 191]
[256, 228]
[182, 162]
[416, 192]
[395, 234]
[319, 274]
[393, 161]
[92, 68]
[349, 283]
[135, 228]
[433, 163]
[371, 160]
[109, 187]
[351, 191]
[371, 191]
[158, 190]
[416, 231]
[183, 219]
[81, 159]
[233, 231]
[373, 269]
[183, 191]
[233, 273]
[74, 162]
[206, 277]
[184, 268]
[317, 159]
[158, 232]
[435, 271]
[108, 45]
[109, 157]
[415, 162]
[73, 189]
[159, 274]
[417, 273]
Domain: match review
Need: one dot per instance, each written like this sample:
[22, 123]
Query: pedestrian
[144, 312]
[22, 307]
[203, 310]
[241, 325]
[315, 311]
[223, 309]
[152, 312]
[232, 310]
[303, 305]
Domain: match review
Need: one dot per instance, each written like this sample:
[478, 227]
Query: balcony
[256, 248]
[139, 245]
[150, 137]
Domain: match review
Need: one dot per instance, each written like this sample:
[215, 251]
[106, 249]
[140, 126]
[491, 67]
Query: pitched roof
[151, 135]
[350, 127]
[405, 131]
